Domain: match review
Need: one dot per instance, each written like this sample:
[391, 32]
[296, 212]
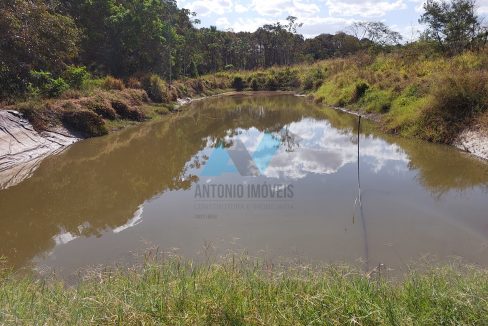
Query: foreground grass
[249, 293]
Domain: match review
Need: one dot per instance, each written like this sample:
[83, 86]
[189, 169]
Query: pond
[274, 176]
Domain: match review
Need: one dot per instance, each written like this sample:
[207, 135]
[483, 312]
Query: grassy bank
[247, 292]
[429, 97]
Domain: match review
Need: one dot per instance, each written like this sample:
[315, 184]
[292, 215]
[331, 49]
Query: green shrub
[378, 101]
[56, 87]
[308, 83]
[254, 84]
[39, 78]
[85, 122]
[272, 83]
[287, 78]
[313, 79]
[359, 91]
[76, 76]
[238, 83]
[42, 83]
[156, 89]
[193, 70]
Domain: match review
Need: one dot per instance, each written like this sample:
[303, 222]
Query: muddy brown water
[272, 176]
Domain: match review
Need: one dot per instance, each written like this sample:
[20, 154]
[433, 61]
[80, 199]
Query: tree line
[127, 38]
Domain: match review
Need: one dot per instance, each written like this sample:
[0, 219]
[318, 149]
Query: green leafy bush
[76, 76]
[272, 83]
[193, 70]
[238, 83]
[378, 101]
[287, 78]
[359, 91]
[42, 83]
[313, 79]
[254, 84]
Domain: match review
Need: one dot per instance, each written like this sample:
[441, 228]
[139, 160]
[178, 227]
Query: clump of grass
[313, 79]
[456, 100]
[111, 83]
[377, 101]
[84, 122]
[101, 107]
[271, 83]
[254, 84]
[287, 78]
[134, 83]
[249, 292]
[126, 112]
[156, 88]
[238, 83]
[35, 112]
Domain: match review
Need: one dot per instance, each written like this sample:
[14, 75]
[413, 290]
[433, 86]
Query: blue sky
[317, 16]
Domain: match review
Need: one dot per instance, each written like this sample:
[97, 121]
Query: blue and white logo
[238, 159]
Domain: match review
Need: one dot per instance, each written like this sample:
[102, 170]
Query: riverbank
[437, 99]
[249, 292]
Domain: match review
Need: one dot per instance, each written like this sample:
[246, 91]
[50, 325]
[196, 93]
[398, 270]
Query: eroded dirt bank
[22, 148]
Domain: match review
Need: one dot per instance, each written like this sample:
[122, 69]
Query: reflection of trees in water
[289, 140]
[442, 169]
[100, 183]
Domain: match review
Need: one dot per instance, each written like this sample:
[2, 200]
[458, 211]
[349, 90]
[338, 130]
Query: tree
[375, 32]
[453, 26]
[33, 36]
[326, 46]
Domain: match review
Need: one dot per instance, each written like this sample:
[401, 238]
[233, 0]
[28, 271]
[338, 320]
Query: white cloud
[299, 8]
[312, 26]
[482, 6]
[207, 7]
[223, 23]
[369, 8]
[244, 24]
[240, 8]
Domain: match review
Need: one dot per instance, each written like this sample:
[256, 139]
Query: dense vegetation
[248, 292]
[113, 59]
[133, 38]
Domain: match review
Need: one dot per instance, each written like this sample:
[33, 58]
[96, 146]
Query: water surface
[105, 199]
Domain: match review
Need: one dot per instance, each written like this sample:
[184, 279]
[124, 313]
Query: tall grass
[247, 292]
